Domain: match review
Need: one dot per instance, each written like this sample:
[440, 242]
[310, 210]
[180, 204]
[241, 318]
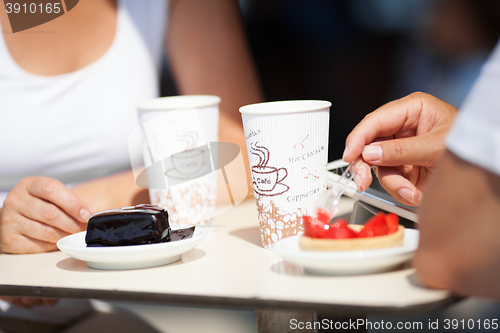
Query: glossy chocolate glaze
[180, 234]
[139, 209]
[141, 224]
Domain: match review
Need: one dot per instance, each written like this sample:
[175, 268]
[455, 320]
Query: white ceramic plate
[348, 262]
[132, 256]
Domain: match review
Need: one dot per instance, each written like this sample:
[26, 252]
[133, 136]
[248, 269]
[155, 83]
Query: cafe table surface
[228, 269]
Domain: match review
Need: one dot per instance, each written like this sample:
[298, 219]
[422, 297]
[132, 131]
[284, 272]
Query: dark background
[361, 54]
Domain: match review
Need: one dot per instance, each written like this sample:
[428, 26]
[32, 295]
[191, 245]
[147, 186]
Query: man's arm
[459, 222]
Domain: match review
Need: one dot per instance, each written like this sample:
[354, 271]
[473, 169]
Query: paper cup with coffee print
[177, 132]
[287, 144]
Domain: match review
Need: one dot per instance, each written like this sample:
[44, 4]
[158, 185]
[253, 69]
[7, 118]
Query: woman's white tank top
[75, 126]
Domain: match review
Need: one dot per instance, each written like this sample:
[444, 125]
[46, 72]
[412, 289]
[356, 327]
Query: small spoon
[329, 200]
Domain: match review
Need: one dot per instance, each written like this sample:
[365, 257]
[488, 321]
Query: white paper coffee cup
[180, 165]
[287, 144]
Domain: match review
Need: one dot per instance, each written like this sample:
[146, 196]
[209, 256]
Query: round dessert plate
[348, 262]
[132, 256]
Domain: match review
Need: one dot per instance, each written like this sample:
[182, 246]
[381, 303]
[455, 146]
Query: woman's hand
[29, 302]
[38, 212]
[404, 140]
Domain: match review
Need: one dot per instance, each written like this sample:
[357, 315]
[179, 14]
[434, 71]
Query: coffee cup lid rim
[178, 102]
[283, 107]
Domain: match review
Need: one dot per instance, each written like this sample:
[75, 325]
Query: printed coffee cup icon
[265, 178]
[190, 162]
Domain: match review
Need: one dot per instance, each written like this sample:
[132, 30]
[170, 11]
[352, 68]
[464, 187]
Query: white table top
[229, 268]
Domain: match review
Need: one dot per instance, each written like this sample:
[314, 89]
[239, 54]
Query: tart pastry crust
[352, 244]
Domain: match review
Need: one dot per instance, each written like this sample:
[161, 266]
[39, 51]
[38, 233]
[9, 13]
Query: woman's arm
[208, 54]
[115, 191]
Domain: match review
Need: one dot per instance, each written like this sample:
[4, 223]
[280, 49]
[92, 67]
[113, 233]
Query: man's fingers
[55, 192]
[413, 115]
[363, 175]
[398, 186]
[391, 118]
[424, 150]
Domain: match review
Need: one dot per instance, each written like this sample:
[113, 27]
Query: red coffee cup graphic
[266, 178]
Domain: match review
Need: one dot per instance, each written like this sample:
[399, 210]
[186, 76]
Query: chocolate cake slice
[180, 234]
[135, 225]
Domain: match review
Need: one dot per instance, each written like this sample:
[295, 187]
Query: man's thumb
[395, 152]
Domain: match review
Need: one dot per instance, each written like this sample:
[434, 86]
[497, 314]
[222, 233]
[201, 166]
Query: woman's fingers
[13, 240]
[36, 209]
[55, 192]
[19, 234]
[41, 231]
[29, 302]
[38, 212]
[16, 301]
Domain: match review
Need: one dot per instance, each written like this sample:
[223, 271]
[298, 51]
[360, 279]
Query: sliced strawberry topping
[339, 230]
[312, 227]
[375, 226]
[392, 221]
[320, 227]
[323, 215]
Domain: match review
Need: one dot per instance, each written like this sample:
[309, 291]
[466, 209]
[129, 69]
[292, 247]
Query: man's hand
[404, 140]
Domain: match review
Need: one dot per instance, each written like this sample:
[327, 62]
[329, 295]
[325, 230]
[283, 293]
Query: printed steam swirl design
[267, 180]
